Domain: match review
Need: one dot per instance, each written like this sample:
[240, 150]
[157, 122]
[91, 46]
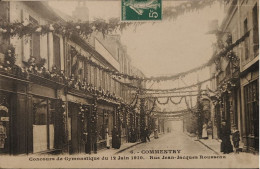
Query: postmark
[141, 10]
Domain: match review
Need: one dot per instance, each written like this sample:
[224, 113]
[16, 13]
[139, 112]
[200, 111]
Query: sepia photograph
[129, 84]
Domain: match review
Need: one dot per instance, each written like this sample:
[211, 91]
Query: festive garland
[85, 29]
[56, 75]
[176, 102]
[172, 12]
[171, 112]
[178, 88]
[166, 92]
[164, 102]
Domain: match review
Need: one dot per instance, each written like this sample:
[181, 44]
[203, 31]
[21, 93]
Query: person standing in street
[236, 139]
[156, 134]
[107, 139]
[147, 134]
[204, 131]
[226, 146]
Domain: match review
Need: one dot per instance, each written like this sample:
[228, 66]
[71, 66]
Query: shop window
[43, 124]
[101, 125]
[252, 108]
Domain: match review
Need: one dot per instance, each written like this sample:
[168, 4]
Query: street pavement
[176, 150]
[171, 141]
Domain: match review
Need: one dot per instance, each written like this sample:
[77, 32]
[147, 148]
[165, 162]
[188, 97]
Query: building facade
[54, 97]
[237, 72]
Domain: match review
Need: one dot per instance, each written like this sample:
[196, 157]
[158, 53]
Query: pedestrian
[236, 139]
[115, 138]
[107, 139]
[147, 134]
[226, 146]
[156, 134]
[204, 131]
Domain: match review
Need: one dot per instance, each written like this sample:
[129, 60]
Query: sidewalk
[113, 151]
[123, 147]
[212, 144]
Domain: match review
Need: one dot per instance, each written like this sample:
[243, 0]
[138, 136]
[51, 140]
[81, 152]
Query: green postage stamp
[141, 10]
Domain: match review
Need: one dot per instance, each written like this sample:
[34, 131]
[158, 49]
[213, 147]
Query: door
[78, 129]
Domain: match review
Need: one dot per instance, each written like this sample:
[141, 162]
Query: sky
[168, 47]
[163, 48]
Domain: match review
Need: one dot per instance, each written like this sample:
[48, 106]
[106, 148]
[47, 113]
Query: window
[109, 83]
[103, 79]
[255, 31]
[100, 78]
[85, 70]
[43, 124]
[74, 62]
[80, 71]
[252, 108]
[95, 76]
[56, 52]
[34, 42]
[246, 42]
[88, 72]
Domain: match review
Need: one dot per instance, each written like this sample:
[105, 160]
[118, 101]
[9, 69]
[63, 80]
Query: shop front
[13, 115]
[46, 116]
[105, 124]
[250, 108]
[79, 116]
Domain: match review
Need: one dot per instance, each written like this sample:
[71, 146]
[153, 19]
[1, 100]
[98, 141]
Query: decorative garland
[171, 112]
[84, 29]
[9, 66]
[33, 69]
[83, 109]
[172, 12]
[164, 102]
[166, 92]
[176, 102]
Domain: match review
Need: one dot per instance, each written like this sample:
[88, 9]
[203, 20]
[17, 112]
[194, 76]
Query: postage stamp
[141, 10]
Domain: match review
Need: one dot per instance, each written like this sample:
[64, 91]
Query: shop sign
[4, 119]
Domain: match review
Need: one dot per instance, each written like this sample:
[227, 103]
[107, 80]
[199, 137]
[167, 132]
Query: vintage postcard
[129, 84]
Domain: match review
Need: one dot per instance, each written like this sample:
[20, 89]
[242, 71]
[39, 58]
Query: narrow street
[171, 141]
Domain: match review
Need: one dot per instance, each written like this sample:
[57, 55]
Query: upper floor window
[95, 76]
[56, 52]
[246, 42]
[34, 42]
[255, 31]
